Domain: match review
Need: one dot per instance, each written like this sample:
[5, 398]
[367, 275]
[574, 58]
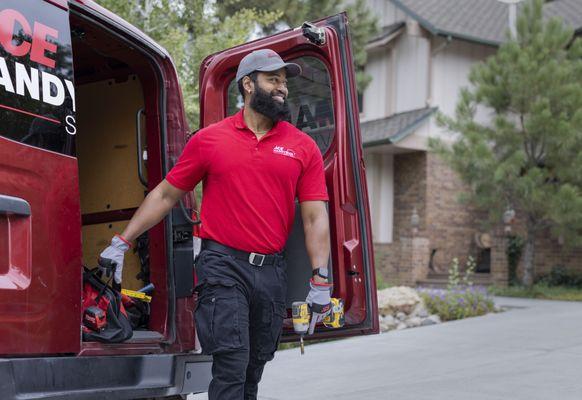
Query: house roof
[394, 128]
[569, 10]
[482, 21]
[386, 34]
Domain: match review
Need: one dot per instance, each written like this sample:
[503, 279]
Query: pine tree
[529, 157]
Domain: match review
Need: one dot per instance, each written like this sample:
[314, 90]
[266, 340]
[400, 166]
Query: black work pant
[239, 317]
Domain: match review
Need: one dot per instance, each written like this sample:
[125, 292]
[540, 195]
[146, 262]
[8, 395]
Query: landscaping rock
[401, 326]
[419, 310]
[397, 299]
[401, 308]
[431, 320]
[387, 323]
[413, 322]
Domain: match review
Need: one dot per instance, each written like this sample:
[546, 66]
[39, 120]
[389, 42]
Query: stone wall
[451, 225]
[423, 182]
[549, 253]
[409, 193]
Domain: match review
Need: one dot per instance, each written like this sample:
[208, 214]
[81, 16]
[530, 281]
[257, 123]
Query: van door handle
[14, 205]
[138, 115]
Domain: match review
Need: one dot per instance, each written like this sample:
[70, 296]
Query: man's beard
[263, 103]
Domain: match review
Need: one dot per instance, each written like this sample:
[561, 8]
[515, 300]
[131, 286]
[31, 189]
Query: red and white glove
[112, 258]
[319, 300]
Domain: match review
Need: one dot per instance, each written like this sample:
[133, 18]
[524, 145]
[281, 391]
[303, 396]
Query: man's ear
[248, 84]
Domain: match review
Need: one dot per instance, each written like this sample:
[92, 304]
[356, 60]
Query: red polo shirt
[250, 186]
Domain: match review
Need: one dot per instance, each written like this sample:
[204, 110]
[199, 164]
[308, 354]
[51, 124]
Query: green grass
[539, 291]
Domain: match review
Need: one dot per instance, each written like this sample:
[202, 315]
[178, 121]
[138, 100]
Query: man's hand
[319, 300]
[114, 254]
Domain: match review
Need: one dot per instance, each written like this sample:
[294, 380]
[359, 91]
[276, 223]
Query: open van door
[40, 237]
[323, 103]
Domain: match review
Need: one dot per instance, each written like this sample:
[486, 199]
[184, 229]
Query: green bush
[458, 303]
[560, 276]
[460, 299]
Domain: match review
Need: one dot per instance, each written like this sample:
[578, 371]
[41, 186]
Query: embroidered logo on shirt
[283, 151]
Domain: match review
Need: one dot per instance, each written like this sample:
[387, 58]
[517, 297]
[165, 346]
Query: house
[418, 62]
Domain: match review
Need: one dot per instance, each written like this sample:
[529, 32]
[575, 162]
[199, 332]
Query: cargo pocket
[273, 325]
[217, 316]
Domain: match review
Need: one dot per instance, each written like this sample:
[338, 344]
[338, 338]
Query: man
[253, 165]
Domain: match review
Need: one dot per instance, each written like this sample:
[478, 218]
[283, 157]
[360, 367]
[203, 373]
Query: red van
[91, 119]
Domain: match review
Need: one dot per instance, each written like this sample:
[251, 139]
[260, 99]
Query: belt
[252, 258]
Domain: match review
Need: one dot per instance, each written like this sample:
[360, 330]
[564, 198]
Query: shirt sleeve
[311, 185]
[191, 166]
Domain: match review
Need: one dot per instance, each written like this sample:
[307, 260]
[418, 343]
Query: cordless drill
[303, 323]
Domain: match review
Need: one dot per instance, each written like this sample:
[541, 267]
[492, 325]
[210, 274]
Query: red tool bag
[110, 326]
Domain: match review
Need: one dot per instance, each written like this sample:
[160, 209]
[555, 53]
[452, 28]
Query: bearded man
[253, 166]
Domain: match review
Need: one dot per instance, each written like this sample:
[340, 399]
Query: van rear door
[323, 104]
[40, 237]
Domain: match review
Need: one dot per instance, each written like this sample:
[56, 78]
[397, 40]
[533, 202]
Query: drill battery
[336, 318]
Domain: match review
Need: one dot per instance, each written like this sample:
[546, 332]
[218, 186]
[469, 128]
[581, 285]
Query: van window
[36, 75]
[310, 101]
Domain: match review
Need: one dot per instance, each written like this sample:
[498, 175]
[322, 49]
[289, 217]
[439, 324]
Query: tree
[529, 157]
[190, 30]
[363, 24]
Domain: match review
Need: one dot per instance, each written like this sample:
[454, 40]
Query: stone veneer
[424, 182]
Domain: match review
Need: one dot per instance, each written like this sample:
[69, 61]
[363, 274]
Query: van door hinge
[313, 33]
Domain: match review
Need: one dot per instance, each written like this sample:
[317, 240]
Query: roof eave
[404, 132]
[435, 31]
[469, 38]
[383, 41]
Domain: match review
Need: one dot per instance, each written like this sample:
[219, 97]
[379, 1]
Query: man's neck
[257, 122]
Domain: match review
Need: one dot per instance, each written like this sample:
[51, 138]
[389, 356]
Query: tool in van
[303, 324]
[94, 318]
[143, 294]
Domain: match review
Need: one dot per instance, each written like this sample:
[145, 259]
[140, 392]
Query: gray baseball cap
[265, 60]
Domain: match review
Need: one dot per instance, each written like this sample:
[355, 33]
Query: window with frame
[310, 101]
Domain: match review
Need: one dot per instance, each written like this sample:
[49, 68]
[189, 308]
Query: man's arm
[316, 229]
[153, 209]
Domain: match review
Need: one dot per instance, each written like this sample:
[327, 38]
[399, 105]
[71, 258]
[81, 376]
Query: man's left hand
[319, 300]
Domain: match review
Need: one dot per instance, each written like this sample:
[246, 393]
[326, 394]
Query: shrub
[560, 276]
[456, 278]
[461, 302]
[461, 299]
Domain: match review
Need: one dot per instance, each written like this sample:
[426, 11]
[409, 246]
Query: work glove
[319, 300]
[112, 258]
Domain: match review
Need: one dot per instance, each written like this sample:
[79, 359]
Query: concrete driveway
[531, 351]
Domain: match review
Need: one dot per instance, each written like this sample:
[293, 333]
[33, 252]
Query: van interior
[119, 158]
[115, 86]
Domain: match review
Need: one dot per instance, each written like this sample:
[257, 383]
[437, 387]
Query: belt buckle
[253, 257]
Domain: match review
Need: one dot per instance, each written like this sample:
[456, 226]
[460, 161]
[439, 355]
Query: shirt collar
[239, 123]
[239, 120]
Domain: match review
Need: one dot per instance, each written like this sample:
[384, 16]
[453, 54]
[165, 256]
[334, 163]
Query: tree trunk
[528, 257]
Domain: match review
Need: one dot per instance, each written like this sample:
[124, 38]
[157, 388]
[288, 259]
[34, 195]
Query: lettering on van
[36, 73]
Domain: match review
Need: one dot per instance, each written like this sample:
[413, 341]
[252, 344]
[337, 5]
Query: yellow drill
[303, 323]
